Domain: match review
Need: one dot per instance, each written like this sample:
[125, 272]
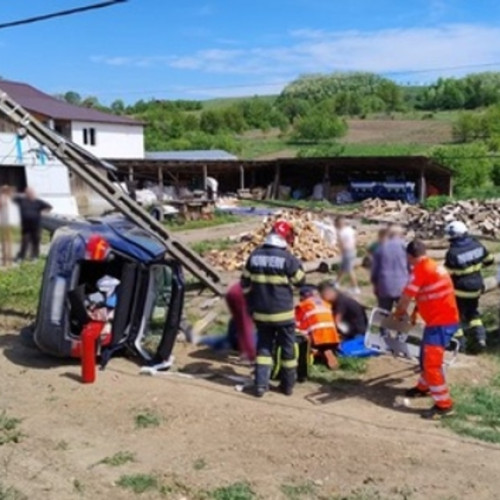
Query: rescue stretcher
[400, 338]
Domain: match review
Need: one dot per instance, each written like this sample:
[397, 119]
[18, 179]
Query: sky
[199, 49]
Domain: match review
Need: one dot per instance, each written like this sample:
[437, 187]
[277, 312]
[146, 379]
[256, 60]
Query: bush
[434, 203]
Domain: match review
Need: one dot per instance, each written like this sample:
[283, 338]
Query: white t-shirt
[347, 239]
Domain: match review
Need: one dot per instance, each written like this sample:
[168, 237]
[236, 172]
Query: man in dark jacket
[464, 261]
[30, 209]
[270, 273]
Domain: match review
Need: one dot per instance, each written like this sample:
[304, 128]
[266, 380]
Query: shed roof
[36, 101]
[192, 155]
[341, 164]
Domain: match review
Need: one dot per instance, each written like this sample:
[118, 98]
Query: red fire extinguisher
[90, 335]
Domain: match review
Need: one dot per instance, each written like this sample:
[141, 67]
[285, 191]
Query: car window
[159, 294]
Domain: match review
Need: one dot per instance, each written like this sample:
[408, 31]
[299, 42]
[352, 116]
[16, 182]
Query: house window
[89, 136]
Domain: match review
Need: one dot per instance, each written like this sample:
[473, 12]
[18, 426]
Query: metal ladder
[92, 171]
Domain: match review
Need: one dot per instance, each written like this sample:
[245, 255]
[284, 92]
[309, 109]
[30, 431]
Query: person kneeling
[314, 319]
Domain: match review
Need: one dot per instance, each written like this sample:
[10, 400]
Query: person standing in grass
[346, 236]
[30, 209]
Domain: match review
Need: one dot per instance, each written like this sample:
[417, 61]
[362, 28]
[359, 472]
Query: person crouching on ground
[431, 287]
[314, 318]
[349, 314]
[267, 280]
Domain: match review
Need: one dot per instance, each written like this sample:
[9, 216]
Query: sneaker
[415, 392]
[436, 413]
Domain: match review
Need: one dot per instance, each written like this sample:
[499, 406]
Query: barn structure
[304, 173]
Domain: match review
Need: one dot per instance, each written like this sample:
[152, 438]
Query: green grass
[138, 483]
[10, 493]
[384, 149]
[255, 147]
[236, 491]
[477, 411]
[217, 220]
[203, 247]
[350, 372]
[118, 459]
[147, 418]
[20, 287]
[9, 432]
[298, 491]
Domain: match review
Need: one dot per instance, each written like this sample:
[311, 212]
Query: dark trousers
[387, 303]
[270, 336]
[30, 236]
[470, 317]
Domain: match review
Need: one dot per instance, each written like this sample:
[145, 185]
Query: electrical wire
[177, 88]
[68, 12]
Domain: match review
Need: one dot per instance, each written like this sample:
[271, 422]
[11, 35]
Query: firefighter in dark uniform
[270, 273]
[464, 261]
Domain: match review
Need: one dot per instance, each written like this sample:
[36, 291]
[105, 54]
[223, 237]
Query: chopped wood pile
[481, 217]
[309, 244]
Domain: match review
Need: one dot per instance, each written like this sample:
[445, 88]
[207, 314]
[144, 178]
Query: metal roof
[36, 101]
[193, 155]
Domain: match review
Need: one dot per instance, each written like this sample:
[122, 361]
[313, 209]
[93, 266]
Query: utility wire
[68, 12]
[202, 89]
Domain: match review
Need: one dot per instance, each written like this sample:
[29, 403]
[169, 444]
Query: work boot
[331, 360]
[436, 413]
[415, 392]
[259, 391]
[287, 391]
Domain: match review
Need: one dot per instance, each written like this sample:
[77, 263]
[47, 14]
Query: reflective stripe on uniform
[264, 360]
[269, 279]
[247, 290]
[468, 295]
[435, 286]
[289, 363]
[274, 318]
[459, 334]
[316, 311]
[433, 296]
[476, 322]
[298, 276]
[438, 388]
[443, 397]
[468, 270]
[319, 326]
[246, 273]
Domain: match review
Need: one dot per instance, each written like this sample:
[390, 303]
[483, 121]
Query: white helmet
[455, 229]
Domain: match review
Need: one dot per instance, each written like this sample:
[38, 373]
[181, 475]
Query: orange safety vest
[314, 317]
[432, 288]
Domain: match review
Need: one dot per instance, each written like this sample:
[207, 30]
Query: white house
[24, 163]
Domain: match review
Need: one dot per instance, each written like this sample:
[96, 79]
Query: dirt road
[324, 442]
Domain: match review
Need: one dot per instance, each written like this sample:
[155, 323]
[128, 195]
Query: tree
[211, 122]
[470, 163]
[319, 125]
[90, 102]
[118, 107]
[73, 97]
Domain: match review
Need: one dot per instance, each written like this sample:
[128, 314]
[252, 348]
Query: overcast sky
[201, 49]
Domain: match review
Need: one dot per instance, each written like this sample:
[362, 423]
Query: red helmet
[285, 230]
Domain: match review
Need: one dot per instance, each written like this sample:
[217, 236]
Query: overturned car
[108, 269]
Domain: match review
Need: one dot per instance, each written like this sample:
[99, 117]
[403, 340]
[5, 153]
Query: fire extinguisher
[90, 334]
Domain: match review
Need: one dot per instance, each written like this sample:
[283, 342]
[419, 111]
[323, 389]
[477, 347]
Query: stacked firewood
[481, 217]
[309, 243]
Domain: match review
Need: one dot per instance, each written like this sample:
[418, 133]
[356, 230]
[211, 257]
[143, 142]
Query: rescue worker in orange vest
[314, 319]
[432, 289]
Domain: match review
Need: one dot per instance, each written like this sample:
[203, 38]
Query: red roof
[37, 101]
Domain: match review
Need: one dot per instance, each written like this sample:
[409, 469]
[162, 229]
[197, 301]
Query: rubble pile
[481, 217]
[310, 244]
